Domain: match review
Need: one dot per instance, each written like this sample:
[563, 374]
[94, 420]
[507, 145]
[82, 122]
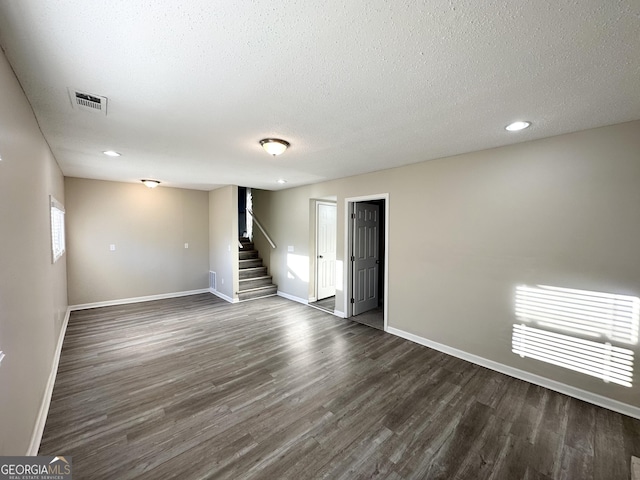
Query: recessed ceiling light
[151, 183]
[282, 181]
[111, 153]
[516, 126]
[274, 146]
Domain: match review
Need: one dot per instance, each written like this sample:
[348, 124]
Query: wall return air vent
[88, 101]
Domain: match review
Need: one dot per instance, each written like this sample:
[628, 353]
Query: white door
[366, 257]
[326, 250]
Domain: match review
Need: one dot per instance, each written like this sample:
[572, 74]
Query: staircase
[254, 282]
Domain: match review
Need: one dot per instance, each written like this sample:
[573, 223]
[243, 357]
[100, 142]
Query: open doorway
[245, 222]
[326, 241]
[367, 238]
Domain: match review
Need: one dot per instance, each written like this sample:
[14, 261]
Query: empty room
[303, 240]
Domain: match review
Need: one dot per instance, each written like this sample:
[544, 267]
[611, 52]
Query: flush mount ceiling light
[517, 126]
[111, 153]
[151, 183]
[274, 146]
[282, 181]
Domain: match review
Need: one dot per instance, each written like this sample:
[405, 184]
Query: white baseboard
[312, 299]
[223, 296]
[292, 297]
[41, 420]
[148, 298]
[578, 393]
[635, 468]
[339, 313]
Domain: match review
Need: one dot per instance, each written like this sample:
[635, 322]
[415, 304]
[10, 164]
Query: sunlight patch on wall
[298, 267]
[601, 360]
[607, 317]
[339, 283]
[595, 314]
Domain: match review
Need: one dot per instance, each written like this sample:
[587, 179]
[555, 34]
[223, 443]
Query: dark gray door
[366, 253]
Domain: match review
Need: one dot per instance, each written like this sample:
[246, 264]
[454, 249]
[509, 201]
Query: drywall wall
[33, 294]
[465, 231]
[148, 229]
[223, 240]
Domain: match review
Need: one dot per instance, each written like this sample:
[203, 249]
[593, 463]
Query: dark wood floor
[197, 388]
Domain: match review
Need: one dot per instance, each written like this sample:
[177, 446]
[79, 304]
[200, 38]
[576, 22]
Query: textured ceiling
[354, 86]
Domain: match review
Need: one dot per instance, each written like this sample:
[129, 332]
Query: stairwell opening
[254, 279]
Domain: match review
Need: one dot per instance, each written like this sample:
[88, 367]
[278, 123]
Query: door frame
[315, 262]
[348, 244]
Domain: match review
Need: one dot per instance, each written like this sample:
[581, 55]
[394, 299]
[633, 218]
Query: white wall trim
[149, 298]
[41, 420]
[340, 314]
[578, 393]
[223, 296]
[293, 298]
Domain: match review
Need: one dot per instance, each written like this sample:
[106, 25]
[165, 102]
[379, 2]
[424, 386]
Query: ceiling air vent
[88, 101]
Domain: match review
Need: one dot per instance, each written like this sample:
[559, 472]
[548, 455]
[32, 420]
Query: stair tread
[253, 279]
[261, 287]
[252, 272]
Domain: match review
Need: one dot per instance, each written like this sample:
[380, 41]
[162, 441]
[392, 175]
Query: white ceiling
[354, 86]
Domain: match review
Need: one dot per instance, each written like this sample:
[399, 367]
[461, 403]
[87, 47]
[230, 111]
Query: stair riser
[255, 262]
[258, 282]
[253, 272]
[257, 294]
[255, 282]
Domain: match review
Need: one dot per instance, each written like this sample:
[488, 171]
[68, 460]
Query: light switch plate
[290, 248]
[1, 356]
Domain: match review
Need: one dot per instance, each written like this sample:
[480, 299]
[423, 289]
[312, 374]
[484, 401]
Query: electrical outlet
[186, 245]
[222, 281]
[112, 247]
[290, 248]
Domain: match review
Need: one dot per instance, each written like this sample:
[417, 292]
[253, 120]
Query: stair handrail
[273, 245]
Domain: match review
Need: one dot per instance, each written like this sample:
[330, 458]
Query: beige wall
[466, 230]
[223, 239]
[148, 227]
[33, 294]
